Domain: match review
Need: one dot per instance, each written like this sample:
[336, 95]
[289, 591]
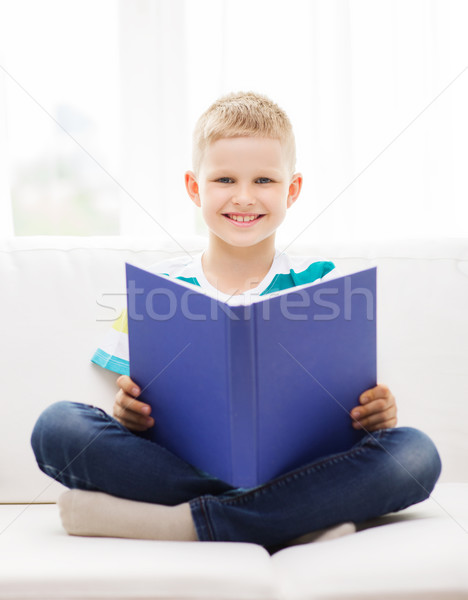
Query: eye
[263, 180]
[224, 180]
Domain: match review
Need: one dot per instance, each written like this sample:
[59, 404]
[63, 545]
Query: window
[62, 108]
[376, 92]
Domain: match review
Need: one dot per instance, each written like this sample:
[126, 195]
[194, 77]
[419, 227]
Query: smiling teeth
[243, 219]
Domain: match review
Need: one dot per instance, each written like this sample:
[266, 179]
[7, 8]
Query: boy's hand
[129, 411]
[377, 409]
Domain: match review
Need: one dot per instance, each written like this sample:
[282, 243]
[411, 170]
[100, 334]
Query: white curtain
[376, 89]
[379, 140]
[155, 150]
[6, 217]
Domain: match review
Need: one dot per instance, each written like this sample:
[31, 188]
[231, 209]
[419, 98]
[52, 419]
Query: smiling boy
[243, 180]
[244, 187]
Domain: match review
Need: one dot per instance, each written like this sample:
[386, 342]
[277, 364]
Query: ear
[191, 185]
[294, 188]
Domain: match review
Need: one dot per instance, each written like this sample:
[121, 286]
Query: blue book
[247, 393]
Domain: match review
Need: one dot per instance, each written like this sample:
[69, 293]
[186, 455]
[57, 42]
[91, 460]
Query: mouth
[243, 218]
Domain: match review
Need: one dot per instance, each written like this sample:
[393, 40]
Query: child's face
[244, 176]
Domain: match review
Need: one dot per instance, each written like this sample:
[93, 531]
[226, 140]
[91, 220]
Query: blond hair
[243, 114]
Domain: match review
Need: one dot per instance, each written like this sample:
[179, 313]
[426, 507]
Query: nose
[243, 196]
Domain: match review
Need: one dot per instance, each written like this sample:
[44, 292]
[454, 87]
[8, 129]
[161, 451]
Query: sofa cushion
[41, 562]
[419, 553]
[61, 294]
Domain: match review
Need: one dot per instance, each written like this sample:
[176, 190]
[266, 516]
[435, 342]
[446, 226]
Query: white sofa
[57, 298]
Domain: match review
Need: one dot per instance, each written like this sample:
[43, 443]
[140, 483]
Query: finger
[132, 426]
[136, 425]
[379, 391]
[131, 404]
[376, 406]
[131, 419]
[390, 423]
[376, 420]
[128, 386]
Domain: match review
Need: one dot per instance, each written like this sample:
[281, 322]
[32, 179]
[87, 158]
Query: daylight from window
[62, 115]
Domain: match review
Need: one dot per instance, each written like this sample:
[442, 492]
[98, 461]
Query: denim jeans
[83, 447]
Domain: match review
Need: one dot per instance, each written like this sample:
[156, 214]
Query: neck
[237, 269]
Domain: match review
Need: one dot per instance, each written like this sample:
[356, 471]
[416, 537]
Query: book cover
[248, 393]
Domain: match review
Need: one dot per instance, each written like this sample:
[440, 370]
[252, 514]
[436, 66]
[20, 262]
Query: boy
[243, 180]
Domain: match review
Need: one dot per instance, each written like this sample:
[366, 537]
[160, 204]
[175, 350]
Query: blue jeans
[83, 447]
